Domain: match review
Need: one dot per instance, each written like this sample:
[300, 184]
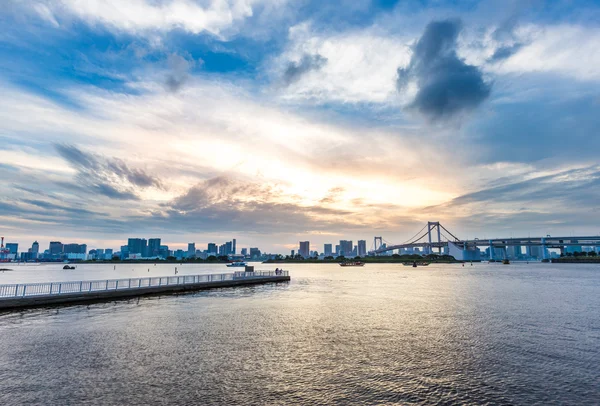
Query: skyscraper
[212, 248]
[154, 247]
[362, 248]
[137, 246]
[55, 248]
[345, 248]
[234, 248]
[304, 250]
[327, 250]
[35, 249]
[191, 252]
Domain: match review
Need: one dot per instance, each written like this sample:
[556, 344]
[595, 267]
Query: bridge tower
[375, 241]
[430, 226]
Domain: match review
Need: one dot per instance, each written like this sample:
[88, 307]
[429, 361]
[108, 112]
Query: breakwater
[15, 296]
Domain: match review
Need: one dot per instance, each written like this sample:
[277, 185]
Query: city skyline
[283, 121]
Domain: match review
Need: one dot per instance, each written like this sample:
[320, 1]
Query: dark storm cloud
[447, 85]
[179, 72]
[295, 70]
[505, 52]
[112, 178]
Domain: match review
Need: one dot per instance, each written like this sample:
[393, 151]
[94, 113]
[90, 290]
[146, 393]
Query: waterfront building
[345, 248]
[55, 248]
[304, 250]
[154, 247]
[327, 250]
[362, 248]
[244, 251]
[137, 246]
[233, 248]
[212, 248]
[12, 247]
[35, 249]
[254, 253]
[191, 252]
[108, 253]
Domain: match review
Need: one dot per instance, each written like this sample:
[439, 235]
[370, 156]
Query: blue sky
[275, 121]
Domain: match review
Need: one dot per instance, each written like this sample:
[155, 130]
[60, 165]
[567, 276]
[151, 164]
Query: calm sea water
[383, 334]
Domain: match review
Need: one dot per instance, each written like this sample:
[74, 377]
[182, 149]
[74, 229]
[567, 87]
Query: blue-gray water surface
[518, 334]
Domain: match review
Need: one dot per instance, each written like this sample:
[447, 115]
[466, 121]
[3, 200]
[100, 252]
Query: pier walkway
[43, 294]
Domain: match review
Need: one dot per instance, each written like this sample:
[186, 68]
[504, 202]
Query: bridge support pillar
[543, 248]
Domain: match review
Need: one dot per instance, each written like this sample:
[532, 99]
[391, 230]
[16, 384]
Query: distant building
[292, 253]
[12, 247]
[179, 254]
[362, 248]
[55, 248]
[137, 246]
[35, 249]
[191, 252]
[108, 253]
[154, 247]
[327, 250]
[255, 253]
[244, 251]
[233, 249]
[75, 248]
[212, 248]
[345, 248]
[304, 250]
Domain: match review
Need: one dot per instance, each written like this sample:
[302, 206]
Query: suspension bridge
[435, 237]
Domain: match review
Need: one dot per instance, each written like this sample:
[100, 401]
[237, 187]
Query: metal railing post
[24, 288]
[59, 288]
[17, 289]
[117, 284]
[50, 288]
[129, 283]
[106, 288]
[80, 286]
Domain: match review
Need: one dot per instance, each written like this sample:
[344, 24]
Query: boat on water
[352, 263]
[237, 264]
[505, 262]
[415, 264]
[68, 267]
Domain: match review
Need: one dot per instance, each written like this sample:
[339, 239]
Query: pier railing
[63, 288]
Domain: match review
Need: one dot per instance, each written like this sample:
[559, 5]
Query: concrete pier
[17, 296]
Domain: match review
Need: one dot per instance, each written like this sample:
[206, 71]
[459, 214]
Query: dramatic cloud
[179, 72]
[109, 177]
[505, 52]
[295, 70]
[447, 85]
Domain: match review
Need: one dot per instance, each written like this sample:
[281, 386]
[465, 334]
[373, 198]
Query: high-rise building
[12, 247]
[244, 251]
[304, 250]
[137, 246]
[74, 248]
[35, 249]
[255, 253]
[234, 247]
[327, 250]
[108, 253]
[191, 252]
[362, 248]
[212, 248]
[345, 248]
[228, 248]
[154, 247]
[55, 248]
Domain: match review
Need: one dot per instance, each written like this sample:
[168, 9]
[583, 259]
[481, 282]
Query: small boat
[68, 267]
[352, 263]
[237, 264]
[415, 264]
[505, 262]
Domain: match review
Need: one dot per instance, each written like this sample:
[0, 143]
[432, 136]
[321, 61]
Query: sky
[278, 121]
